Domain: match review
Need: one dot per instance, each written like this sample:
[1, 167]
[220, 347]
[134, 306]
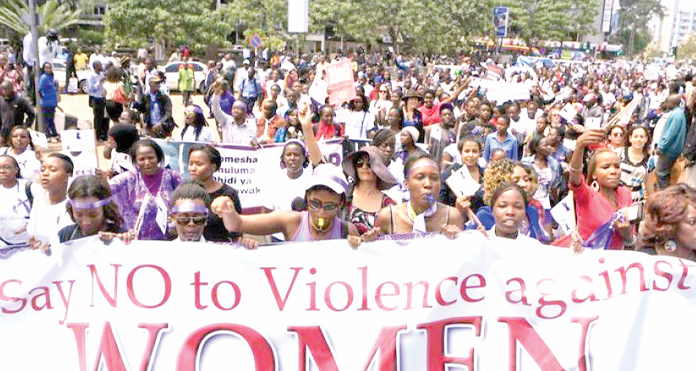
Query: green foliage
[52, 15]
[176, 22]
[687, 49]
[641, 38]
[91, 37]
[550, 19]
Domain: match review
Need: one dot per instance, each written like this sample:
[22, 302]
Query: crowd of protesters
[602, 133]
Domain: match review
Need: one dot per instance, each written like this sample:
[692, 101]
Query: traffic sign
[255, 41]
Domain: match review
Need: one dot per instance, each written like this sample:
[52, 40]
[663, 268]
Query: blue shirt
[95, 85]
[509, 145]
[249, 88]
[47, 90]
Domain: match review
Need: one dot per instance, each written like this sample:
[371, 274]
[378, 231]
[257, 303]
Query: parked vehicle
[171, 73]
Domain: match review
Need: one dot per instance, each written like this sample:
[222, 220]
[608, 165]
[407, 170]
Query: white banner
[428, 304]
[246, 169]
[502, 91]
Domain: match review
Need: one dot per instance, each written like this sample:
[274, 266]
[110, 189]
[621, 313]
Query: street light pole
[37, 60]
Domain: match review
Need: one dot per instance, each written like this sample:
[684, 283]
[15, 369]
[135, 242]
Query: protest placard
[341, 84]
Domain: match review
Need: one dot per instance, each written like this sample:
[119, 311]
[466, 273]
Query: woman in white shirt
[22, 149]
[14, 204]
[49, 212]
[360, 121]
[382, 104]
[196, 128]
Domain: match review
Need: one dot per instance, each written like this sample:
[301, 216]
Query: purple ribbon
[90, 205]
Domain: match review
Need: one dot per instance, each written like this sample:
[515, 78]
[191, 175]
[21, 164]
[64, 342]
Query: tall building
[678, 22]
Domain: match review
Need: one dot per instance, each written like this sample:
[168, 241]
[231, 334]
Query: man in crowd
[157, 110]
[267, 124]
[249, 89]
[14, 110]
[672, 140]
[94, 87]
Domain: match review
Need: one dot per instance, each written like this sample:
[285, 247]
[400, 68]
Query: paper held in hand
[39, 139]
[568, 112]
[462, 183]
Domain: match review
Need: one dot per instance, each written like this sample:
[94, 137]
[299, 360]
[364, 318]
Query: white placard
[39, 139]
[462, 183]
[78, 140]
[162, 211]
[568, 112]
[564, 213]
[593, 123]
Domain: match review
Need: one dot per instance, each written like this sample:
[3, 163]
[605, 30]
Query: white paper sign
[161, 217]
[462, 183]
[78, 140]
[568, 112]
[39, 139]
[564, 214]
[593, 123]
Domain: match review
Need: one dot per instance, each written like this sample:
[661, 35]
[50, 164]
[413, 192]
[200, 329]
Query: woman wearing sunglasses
[324, 198]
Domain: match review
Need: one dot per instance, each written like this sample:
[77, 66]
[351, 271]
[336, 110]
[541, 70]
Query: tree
[52, 15]
[267, 15]
[653, 51]
[173, 22]
[634, 16]
[551, 19]
[687, 48]
[640, 38]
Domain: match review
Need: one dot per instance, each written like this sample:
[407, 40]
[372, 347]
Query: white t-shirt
[358, 123]
[14, 214]
[29, 165]
[282, 190]
[205, 137]
[46, 220]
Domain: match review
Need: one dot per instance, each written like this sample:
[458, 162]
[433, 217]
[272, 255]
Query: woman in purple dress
[144, 193]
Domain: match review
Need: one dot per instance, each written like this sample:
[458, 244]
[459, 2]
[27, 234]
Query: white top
[29, 165]
[233, 133]
[205, 137]
[46, 220]
[380, 105]
[282, 190]
[520, 237]
[14, 214]
[358, 123]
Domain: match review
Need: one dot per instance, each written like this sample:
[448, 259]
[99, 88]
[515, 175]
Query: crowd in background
[604, 133]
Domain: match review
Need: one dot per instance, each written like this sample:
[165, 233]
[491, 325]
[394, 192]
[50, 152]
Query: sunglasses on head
[185, 220]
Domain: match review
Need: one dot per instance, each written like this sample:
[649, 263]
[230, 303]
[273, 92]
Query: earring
[670, 246]
[595, 186]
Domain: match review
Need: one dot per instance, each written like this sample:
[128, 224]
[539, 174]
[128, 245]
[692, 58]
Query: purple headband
[194, 108]
[190, 207]
[299, 143]
[89, 205]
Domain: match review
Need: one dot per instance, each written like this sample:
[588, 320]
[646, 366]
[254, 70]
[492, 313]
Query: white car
[171, 73]
[59, 75]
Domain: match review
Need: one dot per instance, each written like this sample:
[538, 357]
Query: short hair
[664, 211]
[190, 190]
[69, 166]
[592, 163]
[466, 139]
[210, 151]
[506, 186]
[147, 143]
[95, 186]
[15, 164]
[21, 127]
[382, 136]
[412, 159]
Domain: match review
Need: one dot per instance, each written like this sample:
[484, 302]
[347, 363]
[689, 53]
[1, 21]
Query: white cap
[246, 61]
[330, 176]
